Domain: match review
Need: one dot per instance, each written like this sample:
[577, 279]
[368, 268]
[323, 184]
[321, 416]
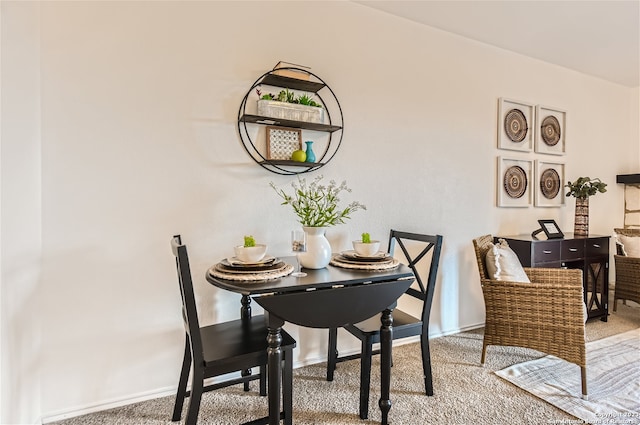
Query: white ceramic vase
[318, 252]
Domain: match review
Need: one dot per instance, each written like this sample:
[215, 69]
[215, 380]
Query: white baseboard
[108, 404]
[168, 391]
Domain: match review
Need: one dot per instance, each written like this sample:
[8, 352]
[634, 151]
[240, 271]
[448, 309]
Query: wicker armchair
[627, 272]
[546, 315]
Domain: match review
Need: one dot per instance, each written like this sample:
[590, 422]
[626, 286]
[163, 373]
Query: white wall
[138, 141]
[21, 214]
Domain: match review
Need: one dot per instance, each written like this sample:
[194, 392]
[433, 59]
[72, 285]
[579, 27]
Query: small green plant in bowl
[366, 247]
[249, 241]
[250, 252]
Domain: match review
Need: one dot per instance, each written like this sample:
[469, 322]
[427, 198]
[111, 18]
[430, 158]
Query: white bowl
[250, 254]
[366, 249]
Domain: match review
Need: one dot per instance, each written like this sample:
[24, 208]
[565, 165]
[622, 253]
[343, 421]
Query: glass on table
[298, 245]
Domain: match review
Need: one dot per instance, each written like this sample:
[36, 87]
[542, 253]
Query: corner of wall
[20, 213]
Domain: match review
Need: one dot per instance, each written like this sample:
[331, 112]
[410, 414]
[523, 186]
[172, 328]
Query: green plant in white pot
[250, 252]
[366, 247]
[290, 106]
[288, 96]
[317, 207]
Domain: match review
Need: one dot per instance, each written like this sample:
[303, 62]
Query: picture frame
[282, 142]
[549, 184]
[550, 228]
[515, 125]
[550, 134]
[513, 182]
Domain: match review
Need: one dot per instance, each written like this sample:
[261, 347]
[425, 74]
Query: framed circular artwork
[550, 134]
[550, 130]
[515, 125]
[514, 182]
[549, 184]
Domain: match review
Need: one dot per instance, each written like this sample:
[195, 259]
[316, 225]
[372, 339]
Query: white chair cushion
[503, 263]
[630, 245]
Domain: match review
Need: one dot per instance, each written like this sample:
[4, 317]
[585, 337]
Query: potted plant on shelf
[317, 208]
[366, 247]
[289, 106]
[250, 252]
[582, 189]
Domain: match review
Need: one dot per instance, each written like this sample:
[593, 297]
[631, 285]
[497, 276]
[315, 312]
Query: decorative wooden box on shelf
[589, 254]
[332, 126]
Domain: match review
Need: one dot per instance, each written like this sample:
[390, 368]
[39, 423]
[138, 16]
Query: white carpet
[613, 379]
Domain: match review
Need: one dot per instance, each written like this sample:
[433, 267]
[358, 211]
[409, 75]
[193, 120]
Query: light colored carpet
[613, 377]
[465, 391]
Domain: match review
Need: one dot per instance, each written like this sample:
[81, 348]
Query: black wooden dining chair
[223, 348]
[404, 324]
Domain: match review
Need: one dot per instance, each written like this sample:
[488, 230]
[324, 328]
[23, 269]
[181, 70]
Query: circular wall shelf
[332, 124]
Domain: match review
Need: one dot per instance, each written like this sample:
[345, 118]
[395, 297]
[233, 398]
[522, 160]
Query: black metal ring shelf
[286, 167]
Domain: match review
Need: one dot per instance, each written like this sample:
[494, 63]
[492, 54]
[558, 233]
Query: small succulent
[305, 99]
[366, 238]
[249, 241]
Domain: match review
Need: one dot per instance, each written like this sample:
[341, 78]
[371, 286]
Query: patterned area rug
[613, 379]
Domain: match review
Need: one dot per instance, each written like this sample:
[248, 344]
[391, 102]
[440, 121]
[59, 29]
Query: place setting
[251, 264]
[365, 255]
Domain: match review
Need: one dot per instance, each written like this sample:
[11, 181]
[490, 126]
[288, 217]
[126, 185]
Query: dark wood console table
[589, 254]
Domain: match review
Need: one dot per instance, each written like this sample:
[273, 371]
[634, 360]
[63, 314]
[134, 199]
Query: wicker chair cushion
[630, 245]
[503, 264]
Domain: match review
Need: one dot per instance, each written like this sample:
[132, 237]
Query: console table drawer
[572, 249]
[598, 246]
[545, 252]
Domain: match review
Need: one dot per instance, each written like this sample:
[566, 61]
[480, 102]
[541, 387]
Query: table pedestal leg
[274, 366]
[245, 310]
[245, 315]
[386, 337]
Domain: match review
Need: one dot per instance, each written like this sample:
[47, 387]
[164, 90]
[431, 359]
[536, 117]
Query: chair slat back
[481, 246]
[189, 310]
[433, 245]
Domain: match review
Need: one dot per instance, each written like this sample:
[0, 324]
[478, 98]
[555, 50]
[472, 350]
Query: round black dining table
[330, 297]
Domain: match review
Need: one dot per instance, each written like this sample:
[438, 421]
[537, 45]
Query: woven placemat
[252, 277]
[391, 264]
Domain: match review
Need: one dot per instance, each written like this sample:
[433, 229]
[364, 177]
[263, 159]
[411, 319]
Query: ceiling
[598, 38]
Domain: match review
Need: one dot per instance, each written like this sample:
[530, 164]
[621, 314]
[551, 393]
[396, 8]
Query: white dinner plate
[380, 255]
[235, 261]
